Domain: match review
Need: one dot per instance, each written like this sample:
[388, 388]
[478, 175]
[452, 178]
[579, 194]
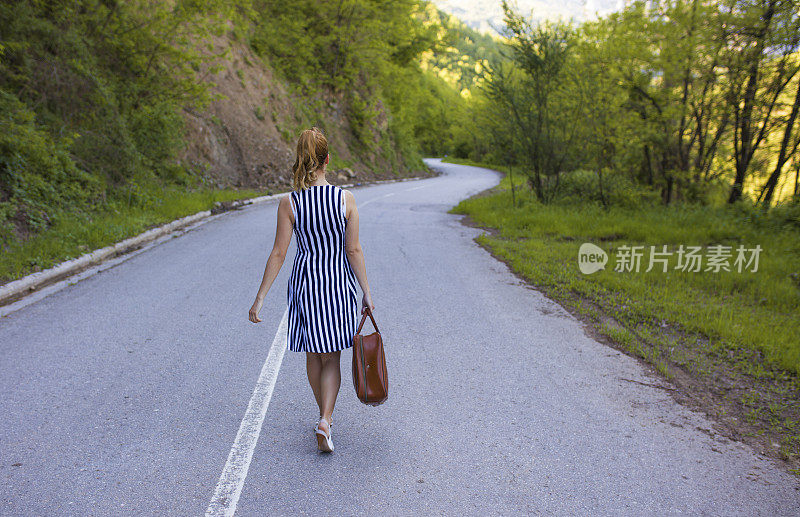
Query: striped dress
[322, 288]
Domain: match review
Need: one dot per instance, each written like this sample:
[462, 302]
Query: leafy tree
[532, 91]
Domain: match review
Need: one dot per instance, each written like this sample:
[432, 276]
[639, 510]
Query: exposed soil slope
[246, 138]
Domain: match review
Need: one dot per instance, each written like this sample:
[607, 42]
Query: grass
[75, 234]
[734, 332]
[758, 310]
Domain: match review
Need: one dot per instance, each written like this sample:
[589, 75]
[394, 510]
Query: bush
[783, 216]
[37, 175]
[158, 132]
[618, 189]
[787, 213]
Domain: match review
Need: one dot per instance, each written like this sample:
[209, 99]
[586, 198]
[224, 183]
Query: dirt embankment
[246, 138]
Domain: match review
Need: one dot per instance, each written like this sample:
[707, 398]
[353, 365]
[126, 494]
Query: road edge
[689, 397]
[17, 290]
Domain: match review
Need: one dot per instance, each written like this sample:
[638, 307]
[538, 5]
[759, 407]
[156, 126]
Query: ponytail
[312, 149]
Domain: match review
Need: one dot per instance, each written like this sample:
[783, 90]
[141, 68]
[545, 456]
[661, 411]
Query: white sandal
[330, 425]
[324, 441]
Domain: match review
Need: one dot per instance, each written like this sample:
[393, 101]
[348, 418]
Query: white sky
[483, 14]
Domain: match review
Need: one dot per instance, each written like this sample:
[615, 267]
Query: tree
[765, 33]
[530, 87]
[786, 150]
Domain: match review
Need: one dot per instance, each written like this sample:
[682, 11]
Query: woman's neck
[320, 179]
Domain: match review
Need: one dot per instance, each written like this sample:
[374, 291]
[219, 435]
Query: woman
[321, 293]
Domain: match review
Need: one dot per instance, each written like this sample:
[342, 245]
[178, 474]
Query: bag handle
[364, 318]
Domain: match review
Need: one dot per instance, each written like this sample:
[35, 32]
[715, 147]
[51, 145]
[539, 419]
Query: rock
[224, 206]
[341, 177]
[349, 172]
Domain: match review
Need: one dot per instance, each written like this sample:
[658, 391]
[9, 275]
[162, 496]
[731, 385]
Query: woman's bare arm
[283, 236]
[355, 255]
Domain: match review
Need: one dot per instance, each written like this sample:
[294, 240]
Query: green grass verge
[758, 310]
[74, 234]
[737, 335]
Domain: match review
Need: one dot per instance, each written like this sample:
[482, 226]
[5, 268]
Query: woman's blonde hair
[312, 149]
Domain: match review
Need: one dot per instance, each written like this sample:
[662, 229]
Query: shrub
[37, 175]
[618, 189]
[787, 213]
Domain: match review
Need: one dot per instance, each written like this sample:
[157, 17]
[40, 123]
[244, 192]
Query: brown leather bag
[370, 378]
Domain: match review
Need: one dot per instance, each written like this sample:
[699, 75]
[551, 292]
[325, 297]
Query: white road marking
[388, 195]
[376, 198]
[230, 483]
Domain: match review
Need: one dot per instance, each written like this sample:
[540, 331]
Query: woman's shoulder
[286, 199]
[285, 203]
[347, 194]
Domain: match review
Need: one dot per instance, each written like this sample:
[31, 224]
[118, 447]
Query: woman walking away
[321, 292]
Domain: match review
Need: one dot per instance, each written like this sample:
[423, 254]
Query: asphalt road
[123, 393]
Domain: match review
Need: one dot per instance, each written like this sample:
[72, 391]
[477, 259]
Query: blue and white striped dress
[323, 308]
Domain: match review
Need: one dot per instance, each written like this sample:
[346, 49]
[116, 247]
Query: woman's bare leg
[313, 370]
[330, 381]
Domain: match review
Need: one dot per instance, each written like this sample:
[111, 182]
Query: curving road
[125, 393]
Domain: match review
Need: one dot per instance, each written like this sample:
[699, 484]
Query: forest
[693, 100]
